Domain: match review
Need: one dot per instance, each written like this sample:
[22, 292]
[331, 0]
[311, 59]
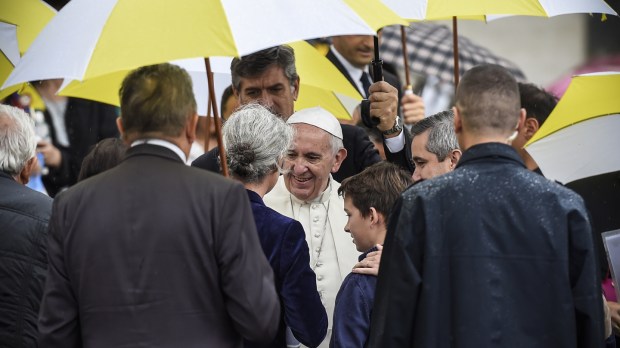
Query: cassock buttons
[315, 219]
[317, 235]
[319, 277]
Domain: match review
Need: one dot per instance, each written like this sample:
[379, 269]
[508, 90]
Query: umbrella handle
[403, 38]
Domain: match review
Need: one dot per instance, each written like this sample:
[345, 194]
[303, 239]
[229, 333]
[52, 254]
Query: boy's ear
[375, 216]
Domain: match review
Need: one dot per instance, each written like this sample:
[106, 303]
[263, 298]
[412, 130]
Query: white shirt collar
[163, 143]
[354, 72]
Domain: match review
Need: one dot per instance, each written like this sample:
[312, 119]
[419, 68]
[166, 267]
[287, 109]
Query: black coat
[87, 122]
[489, 255]
[155, 253]
[24, 214]
[361, 153]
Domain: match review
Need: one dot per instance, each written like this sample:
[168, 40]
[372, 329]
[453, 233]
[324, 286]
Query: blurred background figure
[24, 215]
[75, 125]
[255, 142]
[104, 155]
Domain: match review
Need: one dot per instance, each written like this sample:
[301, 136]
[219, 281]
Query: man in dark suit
[152, 252]
[490, 254]
[24, 214]
[270, 78]
[74, 126]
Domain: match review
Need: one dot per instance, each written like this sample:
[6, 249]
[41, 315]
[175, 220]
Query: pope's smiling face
[309, 162]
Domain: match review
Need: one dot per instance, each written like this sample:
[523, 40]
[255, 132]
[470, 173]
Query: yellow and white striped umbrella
[20, 22]
[90, 38]
[580, 138]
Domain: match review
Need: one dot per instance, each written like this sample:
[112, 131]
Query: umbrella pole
[455, 43]
[216, 119]
[207, 125]
[403, 39]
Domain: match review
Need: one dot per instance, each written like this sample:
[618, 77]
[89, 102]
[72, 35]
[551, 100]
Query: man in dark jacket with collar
[24, 214]
[153, 252]
[490, 254]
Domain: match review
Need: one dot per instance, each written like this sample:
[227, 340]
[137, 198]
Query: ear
[375, 216]
[340, 156]
[235, 92]
[295, 88]
[24, 175]
[119, 125]
[455, 156]
[458, 123]
[531, 127]
[190, 128]
[521, 122]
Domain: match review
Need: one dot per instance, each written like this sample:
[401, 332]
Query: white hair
[255, 141]
[18, 142]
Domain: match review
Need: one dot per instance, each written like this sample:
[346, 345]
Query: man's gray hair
[336, 143]
[441, 138]
[255, 141]
[256, 63]
[18, 142]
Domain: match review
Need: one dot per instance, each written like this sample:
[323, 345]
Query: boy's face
[360, 227]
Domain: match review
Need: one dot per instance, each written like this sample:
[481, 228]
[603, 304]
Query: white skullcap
[320, 118]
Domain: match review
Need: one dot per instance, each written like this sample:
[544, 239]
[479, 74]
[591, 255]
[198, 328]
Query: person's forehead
[272, 75]
[421, 139]
[310, 136]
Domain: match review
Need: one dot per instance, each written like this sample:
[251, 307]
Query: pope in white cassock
[307, 193]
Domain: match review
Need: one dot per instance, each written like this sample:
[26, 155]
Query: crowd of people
[452, 238]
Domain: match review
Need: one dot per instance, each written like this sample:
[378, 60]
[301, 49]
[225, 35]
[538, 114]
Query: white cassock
[332, 252]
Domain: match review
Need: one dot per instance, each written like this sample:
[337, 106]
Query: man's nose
[416, 175]
[298, 166]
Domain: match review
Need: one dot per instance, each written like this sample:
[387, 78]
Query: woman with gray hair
[255, 141]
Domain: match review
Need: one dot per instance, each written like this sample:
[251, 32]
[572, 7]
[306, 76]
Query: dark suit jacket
[401, 158]
[153, 253]
[284, 244]
[488, 255]
[361, 153]
[87, 122]
[24, 214]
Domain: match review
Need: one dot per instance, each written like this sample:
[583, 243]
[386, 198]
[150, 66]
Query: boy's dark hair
[378, 186]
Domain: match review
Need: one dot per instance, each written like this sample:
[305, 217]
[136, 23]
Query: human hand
[369, 265]
[384, 105]
[51, 155]
[413, 107]
[614, 310]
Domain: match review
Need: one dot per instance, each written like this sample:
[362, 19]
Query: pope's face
[309, 162]
[270, 89]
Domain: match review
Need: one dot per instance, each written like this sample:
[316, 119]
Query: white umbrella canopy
[492, 9]
[580, 138]
[89, 38]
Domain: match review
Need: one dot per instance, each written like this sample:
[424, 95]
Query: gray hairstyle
[256, 63]
[18, 142]
[441, 138]
[255, 141]
[336, 144]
